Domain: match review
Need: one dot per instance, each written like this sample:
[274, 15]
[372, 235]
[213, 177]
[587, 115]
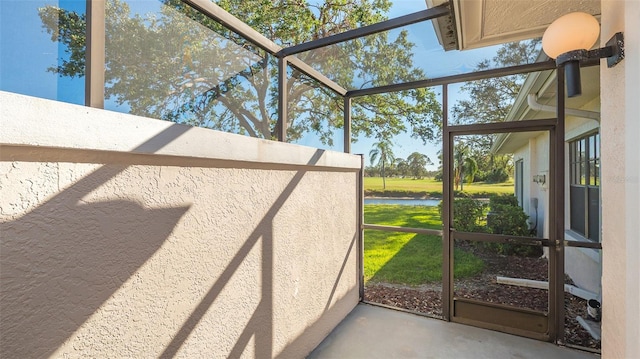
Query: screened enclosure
[370, 81]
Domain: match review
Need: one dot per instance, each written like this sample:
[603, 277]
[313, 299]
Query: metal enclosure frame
[502, 317]
[556, 243]
[94, 91]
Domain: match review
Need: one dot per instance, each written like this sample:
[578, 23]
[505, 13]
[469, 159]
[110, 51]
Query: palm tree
[465, 166]
[457, 169]
[459, 155]
[383, 153]
[470, 169]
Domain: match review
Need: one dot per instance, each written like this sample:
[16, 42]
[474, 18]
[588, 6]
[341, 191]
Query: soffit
[547, 92]
[544, 86]
[515, 140]
[489, 22]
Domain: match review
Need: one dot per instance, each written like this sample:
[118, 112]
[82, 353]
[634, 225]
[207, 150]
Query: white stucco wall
[126, 237]
[540, 166]
[620, 131]
[535, 157]
[582, 265]
[522, 154]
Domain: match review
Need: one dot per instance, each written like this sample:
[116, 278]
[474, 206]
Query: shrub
[497, 175]
[506, 217]
[467, 214]
[503, 200]
[481, 176]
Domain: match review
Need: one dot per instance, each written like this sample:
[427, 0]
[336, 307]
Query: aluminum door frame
[503, 318]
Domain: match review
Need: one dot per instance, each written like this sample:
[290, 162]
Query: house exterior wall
[582, 265]
[534, 154]
[540, 166]
[620, 131]
[129, 237]
[523, 155]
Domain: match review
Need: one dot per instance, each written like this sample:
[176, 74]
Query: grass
[407, 258]
[428, 187]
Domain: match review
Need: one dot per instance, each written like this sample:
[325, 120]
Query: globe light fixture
[574, 31]
[568, 40]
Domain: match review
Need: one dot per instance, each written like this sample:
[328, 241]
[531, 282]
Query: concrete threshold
[375, 332]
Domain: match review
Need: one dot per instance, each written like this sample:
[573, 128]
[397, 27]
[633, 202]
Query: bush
[503, 200]
[497, 175]
[467, 214]
[480, 176]
[506, 217]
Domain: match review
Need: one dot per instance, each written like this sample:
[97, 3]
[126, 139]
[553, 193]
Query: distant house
[537, 100]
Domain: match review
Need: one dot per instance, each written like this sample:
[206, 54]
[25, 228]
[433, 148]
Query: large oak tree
[176, 64]
[490, 100]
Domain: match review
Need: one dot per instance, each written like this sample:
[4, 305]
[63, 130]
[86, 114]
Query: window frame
[584, 185]
[519, 181]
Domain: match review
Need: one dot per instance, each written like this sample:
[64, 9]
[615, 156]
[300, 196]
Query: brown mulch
[427, 299]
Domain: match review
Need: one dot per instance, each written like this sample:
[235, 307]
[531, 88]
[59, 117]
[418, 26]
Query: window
[584, 186]
[520, 182]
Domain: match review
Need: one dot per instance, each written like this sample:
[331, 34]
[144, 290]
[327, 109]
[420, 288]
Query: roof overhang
[544, 86]
[445, 27]
[480, 23]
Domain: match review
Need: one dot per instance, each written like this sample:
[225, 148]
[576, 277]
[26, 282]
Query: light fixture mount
[616, 44]
[571, 60]
[613, 52]
[568, 40]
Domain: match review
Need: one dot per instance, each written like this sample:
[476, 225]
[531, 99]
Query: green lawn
[428, 187]
[407, 258]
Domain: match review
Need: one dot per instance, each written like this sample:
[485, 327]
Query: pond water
[403, 201]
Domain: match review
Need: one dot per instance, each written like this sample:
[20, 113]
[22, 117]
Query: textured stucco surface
[133, 260]
[620, 131]
[535, 157]
[79, 127]
[490, 22]
[502, 16]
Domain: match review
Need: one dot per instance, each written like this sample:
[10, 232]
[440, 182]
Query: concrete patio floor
[375, 332]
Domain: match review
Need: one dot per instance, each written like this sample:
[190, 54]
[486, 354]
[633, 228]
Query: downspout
[532, 101]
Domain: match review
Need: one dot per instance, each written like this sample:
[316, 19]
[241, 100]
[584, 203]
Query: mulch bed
[427, 299]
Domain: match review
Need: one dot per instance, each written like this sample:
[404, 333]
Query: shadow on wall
[335, 311]
[260, 325]
[74, 258]
[61, 261]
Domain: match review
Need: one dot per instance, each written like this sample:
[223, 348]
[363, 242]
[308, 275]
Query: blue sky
[26, 52]
[435, 62]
